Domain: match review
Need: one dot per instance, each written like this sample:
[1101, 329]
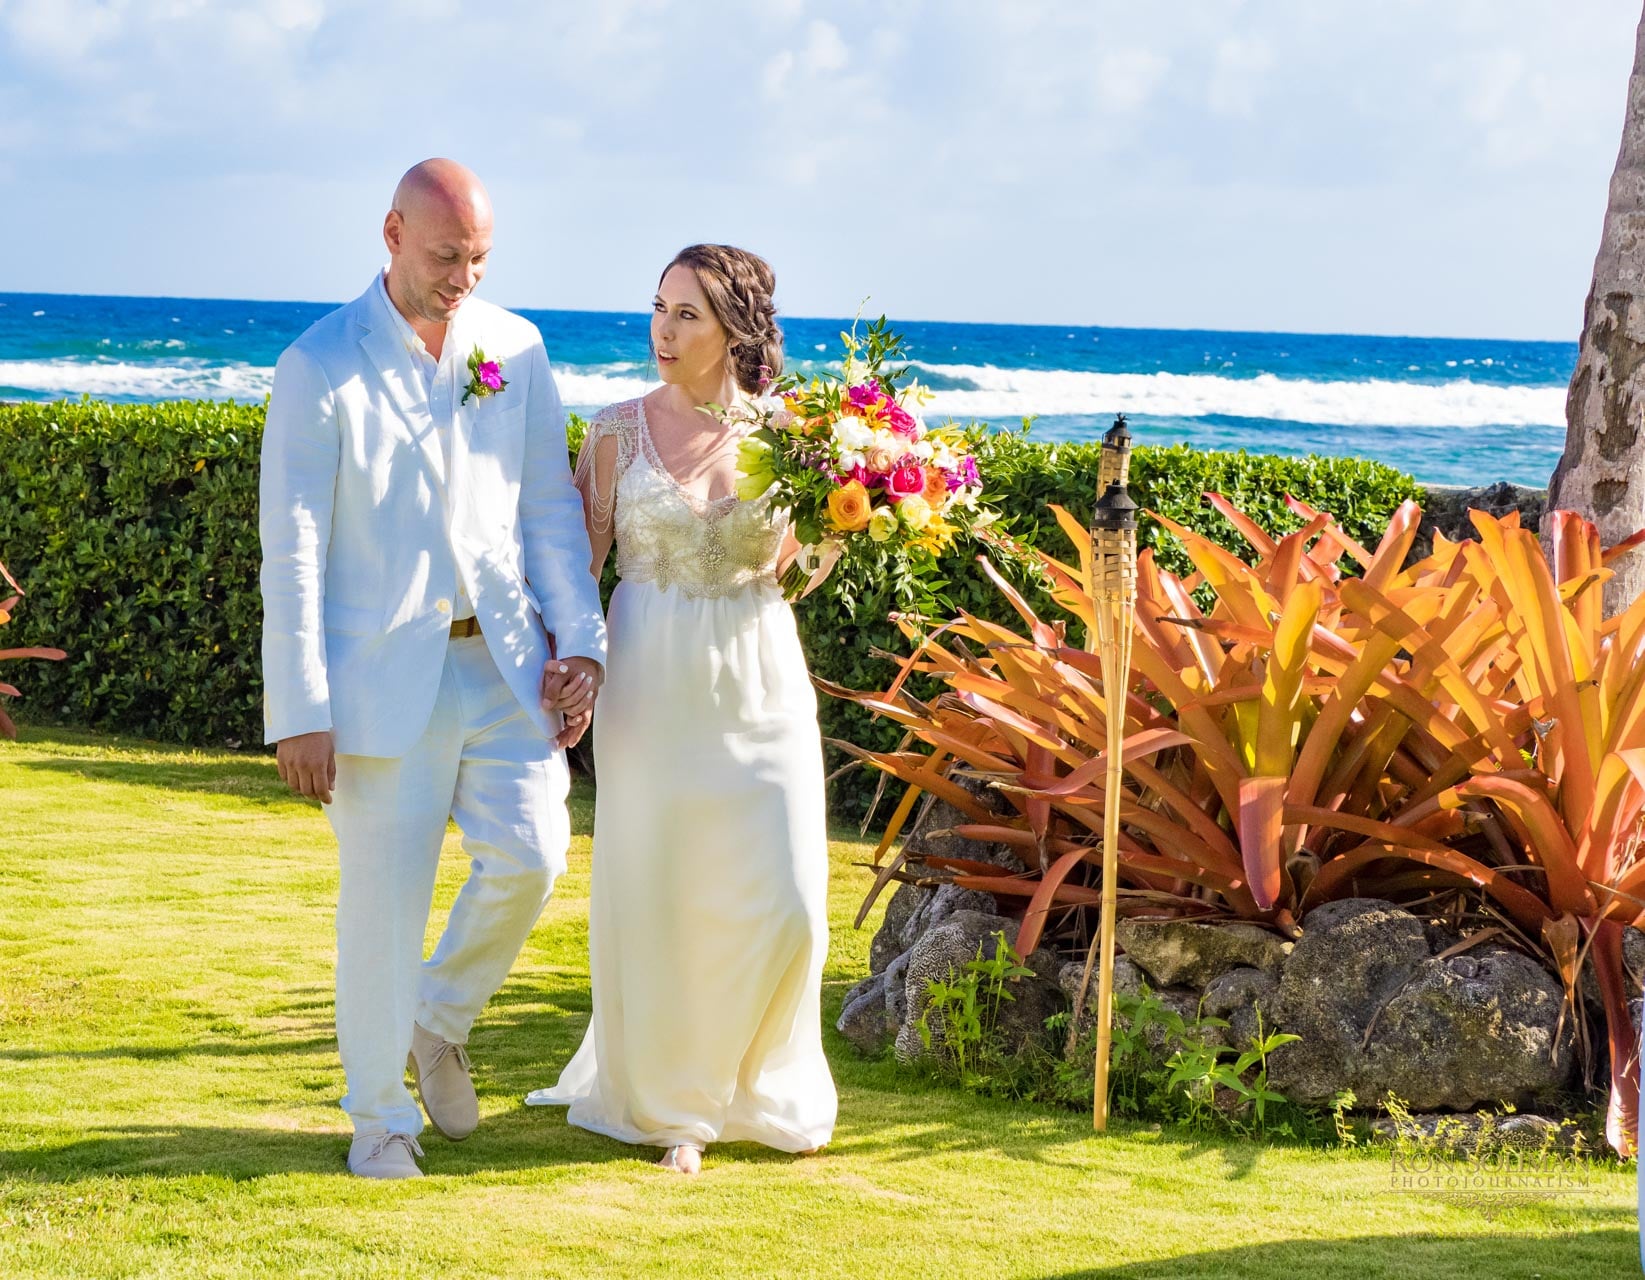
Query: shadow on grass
[510, 1142]
[1610, 1251]
[252, 779]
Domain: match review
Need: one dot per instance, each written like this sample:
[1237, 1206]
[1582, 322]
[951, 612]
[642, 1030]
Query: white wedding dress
[708, 920]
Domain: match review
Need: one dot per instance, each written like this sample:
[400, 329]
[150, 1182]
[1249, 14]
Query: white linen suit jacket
[365, 535]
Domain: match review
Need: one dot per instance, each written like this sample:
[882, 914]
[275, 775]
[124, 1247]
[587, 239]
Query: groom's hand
[308, 764]
[569, 686]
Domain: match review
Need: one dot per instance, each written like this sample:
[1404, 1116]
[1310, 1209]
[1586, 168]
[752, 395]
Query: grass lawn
[168, 1087]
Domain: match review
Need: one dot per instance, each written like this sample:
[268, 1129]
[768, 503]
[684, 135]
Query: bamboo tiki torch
[1114, 602]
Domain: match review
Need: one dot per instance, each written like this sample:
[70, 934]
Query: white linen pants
[483, 762]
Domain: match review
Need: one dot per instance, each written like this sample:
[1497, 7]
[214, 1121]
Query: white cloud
[1127, 78]
[63, 30]
[824, 49]
[1238, 75]
[963, 157]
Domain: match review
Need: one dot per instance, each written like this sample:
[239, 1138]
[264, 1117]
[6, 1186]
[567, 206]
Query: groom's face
[439, 252]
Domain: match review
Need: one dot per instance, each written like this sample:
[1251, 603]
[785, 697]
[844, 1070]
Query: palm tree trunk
[1602, 472]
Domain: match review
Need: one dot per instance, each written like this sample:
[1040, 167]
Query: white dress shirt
[440, 386]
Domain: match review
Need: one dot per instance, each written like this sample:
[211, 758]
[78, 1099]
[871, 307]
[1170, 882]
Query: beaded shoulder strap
[619, 422]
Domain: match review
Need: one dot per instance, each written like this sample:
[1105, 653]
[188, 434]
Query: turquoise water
[1451, 411]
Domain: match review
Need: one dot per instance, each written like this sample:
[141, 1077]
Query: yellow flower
[915, 512]
[849, 507]
[882, 524]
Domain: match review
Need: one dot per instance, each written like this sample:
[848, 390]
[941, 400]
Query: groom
[424, 560]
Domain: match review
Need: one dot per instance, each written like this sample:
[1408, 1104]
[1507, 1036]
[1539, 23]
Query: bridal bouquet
[869, 483]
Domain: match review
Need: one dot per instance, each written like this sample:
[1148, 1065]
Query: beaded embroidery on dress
[667, 536]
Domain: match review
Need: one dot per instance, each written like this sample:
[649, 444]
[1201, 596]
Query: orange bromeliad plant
[1465, 735]
[8, 606]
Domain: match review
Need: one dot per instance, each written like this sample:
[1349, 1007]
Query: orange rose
[936, 488]
[849, 507]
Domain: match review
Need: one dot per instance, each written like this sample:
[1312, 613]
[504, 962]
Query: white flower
[922, 450]
[915, 393]
[851, 432]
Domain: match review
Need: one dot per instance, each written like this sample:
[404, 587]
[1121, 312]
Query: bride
[708, 916]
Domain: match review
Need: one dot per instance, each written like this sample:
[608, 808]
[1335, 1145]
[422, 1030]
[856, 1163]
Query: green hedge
[133, 528]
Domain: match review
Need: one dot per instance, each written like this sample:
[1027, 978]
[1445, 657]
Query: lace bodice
[664, 534]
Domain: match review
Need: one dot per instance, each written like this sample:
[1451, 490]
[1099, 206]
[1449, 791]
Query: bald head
[439, 236]
[441, 187]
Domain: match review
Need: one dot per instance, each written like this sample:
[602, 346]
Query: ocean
[1448, 410]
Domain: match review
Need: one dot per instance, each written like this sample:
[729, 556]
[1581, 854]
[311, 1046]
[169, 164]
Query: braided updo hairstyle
[739, 285]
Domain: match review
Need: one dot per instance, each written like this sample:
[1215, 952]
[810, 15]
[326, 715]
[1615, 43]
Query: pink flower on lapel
[485, 377]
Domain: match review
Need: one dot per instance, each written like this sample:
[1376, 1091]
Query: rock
[915, 910]
[945, 901]
[888, 943]
[1186, 952]
[1378, 1013]
[1633, 957]
[1129, 980]
[896, 994]
[1472, 1133]
[942, 954]
[933, 833]
[1237, 997]
[1445, 508]
[863, 1019]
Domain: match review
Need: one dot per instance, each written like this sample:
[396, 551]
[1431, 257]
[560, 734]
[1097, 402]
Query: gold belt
[465, 627]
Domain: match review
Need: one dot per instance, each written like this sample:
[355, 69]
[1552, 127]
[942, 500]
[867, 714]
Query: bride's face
[691, 345]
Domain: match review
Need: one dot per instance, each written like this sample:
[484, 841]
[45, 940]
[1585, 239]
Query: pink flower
[964, 475]
[900, 420]
[491, 374]
[907, 478]
[866, 395]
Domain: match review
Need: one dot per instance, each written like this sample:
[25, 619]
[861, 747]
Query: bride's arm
[790, 548]
[596, 480]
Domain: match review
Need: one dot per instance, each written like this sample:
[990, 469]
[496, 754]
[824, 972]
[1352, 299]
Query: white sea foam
[591, 390]
[185, 380]
[998, 395]
[1008, 393]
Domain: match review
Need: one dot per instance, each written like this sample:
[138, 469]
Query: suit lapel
[383, 344]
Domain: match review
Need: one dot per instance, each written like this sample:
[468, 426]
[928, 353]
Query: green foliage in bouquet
[875, 493]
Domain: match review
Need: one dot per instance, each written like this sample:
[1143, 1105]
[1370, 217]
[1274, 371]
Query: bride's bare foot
[682, 1160]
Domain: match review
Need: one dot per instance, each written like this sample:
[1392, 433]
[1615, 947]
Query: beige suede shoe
[440, 1068]
[384, 1155]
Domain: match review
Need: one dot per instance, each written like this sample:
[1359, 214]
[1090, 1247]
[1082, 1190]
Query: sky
[1433, 167]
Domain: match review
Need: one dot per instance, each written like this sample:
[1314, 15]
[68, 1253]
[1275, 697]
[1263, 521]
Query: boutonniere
[485, 377]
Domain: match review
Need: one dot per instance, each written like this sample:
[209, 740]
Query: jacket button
[444, 606]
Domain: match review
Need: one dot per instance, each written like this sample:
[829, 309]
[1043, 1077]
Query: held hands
[569, 686]
[308, 764]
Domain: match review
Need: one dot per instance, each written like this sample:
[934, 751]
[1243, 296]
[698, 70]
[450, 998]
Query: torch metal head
[1115, 466]
[1115, 510]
